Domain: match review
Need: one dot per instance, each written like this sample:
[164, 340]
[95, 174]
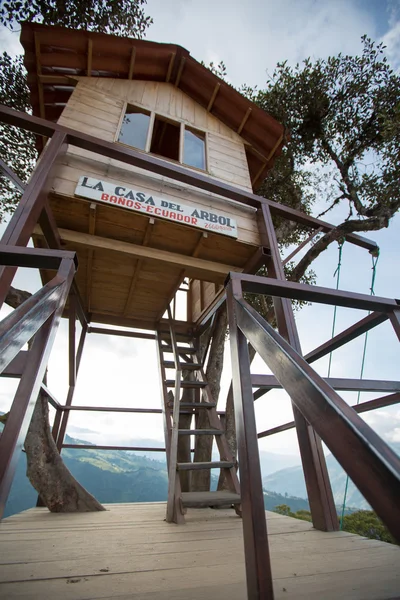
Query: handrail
[173, 459]
[368, 460]
[254, 284]
[37, 319]
[359, 408]
[21, 325]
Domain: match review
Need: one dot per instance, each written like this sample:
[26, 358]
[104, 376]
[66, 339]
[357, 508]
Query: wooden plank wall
[96, 107]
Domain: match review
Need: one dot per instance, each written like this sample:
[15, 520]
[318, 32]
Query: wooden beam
[90, 57]
[179, 75]
[39, 72]
[196, 267]
[137, 268]
[170, 67]
[260, 170]
[275, 148]
[132, 62]
[214, 95]
[244, 121]
[89, 268]
[57, 80]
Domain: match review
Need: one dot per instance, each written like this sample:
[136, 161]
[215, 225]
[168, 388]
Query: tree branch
[339, 232]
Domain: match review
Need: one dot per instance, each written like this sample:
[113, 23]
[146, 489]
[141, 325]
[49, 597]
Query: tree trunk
[184, 454]
[203, 447]
[47, 472]
[230, 427]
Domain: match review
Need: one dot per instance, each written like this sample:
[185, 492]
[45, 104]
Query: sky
[250, 37]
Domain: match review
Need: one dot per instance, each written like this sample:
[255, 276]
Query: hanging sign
[143, 202]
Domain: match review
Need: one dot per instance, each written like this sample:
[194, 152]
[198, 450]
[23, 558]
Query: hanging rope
[337, 273]
[375, 258]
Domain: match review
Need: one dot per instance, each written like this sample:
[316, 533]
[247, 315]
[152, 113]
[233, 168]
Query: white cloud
[251, 38]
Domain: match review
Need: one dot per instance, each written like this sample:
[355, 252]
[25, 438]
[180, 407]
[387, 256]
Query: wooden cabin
[138, 234]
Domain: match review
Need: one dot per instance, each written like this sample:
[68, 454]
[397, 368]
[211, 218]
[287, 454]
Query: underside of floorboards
[130, 552]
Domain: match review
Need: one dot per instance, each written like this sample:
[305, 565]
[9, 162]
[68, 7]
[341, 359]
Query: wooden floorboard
[130, 552]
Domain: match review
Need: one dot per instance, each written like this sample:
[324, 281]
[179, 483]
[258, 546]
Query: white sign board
[143, 202]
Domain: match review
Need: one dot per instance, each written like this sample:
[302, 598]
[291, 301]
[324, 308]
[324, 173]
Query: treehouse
[145, 189]
[159, 101]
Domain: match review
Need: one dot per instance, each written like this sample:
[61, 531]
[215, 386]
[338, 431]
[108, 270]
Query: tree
[368, 524]
[120, 17]
[342, 116]
[46, 470]
[361, 522]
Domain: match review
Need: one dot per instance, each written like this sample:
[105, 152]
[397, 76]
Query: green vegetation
[361, 522]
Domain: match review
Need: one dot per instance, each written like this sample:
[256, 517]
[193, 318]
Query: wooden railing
[366, 458]
[35, 321]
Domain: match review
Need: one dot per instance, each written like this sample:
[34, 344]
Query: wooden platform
[129, 552]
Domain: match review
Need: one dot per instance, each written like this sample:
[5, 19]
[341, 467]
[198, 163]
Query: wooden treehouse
[145, 187]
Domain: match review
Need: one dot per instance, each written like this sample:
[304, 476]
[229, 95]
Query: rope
[375, 259]
[337, 273]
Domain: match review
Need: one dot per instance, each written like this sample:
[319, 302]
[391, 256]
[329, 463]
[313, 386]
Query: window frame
[182, 125]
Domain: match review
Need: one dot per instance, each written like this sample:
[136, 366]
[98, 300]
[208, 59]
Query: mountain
[111, 476]
[291, 481]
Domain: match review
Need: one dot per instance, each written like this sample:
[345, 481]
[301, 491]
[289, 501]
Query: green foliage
[342, 116]
[17, 147]
[367, 524]
[264, 304]
[219, 70]
[362, 522]
[283, 509]
[121, 17]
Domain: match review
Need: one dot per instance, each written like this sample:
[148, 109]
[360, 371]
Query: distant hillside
[291, 481]
[111, 476]
[121, 476]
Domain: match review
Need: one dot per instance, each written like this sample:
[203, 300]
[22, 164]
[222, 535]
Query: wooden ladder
[185, 358]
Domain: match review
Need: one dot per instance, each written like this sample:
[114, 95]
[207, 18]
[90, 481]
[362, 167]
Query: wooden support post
[60, 426]
[395, 320]
[257, 559]
[319, 489]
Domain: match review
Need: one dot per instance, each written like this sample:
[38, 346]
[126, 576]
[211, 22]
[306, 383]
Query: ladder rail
[173, 490]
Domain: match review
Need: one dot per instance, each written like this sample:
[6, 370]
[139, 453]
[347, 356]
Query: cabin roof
[54, 55]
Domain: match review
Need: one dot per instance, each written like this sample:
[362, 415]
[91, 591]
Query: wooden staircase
[186, 359]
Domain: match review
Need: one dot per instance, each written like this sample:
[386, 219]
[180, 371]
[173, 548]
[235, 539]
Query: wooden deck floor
[129, 552]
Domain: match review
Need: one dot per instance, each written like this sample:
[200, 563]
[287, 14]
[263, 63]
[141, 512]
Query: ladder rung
[196, 404]
[181, 350]
[187, 384]
[200, 431]
[192, 466]
[170, 364]
[204, 499]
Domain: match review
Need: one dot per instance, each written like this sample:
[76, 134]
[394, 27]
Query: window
[162, 136]
[194, 148]
[165, 138]
[135, 127]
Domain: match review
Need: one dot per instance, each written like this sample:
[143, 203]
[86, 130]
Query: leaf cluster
[121, 17]
[342, 117]
[17, 146]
